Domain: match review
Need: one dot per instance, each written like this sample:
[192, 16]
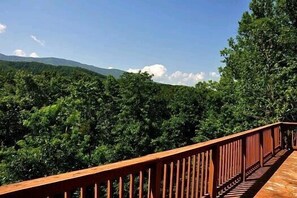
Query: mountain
[64, 62]
[39, 68]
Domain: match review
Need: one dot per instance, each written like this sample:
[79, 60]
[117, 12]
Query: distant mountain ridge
[64, 62]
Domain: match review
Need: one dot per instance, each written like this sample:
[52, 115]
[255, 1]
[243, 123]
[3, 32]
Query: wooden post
[261, 148]
[281, 137]
[272, 139]
[156, 174]
[214, 171]
[243, 159]
[294, 140]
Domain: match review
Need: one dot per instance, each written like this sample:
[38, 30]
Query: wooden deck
[257, 179]
[283, 183]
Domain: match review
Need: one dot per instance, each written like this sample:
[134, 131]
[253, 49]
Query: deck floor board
[283, 183]
[258, 184]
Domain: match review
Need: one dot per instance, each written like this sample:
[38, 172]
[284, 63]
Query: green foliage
[258, 82]
[139, 116]
[58, 119]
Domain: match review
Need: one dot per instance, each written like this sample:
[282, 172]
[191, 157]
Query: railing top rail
[289, 123]
[127, 164]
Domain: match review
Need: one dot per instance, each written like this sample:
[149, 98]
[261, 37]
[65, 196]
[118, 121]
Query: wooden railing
[207, 169]
[291, 134]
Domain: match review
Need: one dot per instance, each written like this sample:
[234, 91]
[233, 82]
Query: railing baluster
[171, 180]
[235, 151]
[261, 134]
[219, 165]
[247, 147]
[243, 159]
[183, 178]
[83, 192]
[131, 187]
[238, 157]
[121, 187]
[96, 190]
[256, 152]
[164, 180]
[206, 172]
[109, 188]
[231, 160]
[149, 183]
[234, 158]
[198, 175]
[226, 162]
[67, 194]
[140, 184]
[202, 174]
[223, 164]
[177, 179]
[251, 151]
[188, 176]
[193, 177]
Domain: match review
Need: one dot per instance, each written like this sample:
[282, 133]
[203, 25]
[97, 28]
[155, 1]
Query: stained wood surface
[283, 183]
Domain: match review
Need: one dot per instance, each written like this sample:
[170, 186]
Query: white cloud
[40, 42]
[2, 28]
[110, 68]
[34, 55]
[160, 74]
[214, 74]
[19, 52]
[183, 78]
[133, 70]
[157, 70]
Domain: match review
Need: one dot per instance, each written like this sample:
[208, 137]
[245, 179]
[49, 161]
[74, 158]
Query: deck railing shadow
[259, 177]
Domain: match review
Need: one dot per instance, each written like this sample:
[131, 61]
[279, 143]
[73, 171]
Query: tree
[139, 116]
[186, 111]
[260, 64]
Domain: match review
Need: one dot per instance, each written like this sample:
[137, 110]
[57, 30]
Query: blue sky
[177, 40]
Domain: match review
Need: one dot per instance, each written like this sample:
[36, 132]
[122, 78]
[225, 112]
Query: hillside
[64, 62]
[39, 68]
